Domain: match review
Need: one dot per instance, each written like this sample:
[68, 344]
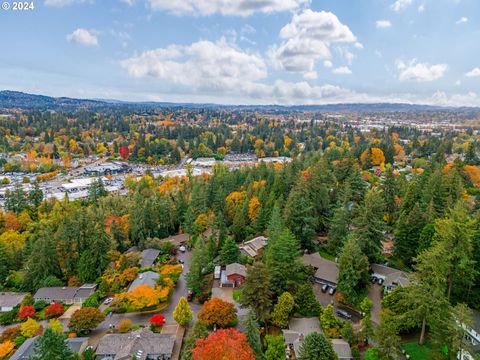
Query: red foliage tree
[54, 310]
[124, 152]
[26, 312]
[157, 320]
[223, 344]
[217, 312]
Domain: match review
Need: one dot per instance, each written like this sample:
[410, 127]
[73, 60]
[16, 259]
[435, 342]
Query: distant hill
[16, 99]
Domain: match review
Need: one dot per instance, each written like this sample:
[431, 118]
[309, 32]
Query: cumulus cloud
[420, 72]
[327, 64]
[383, 24]
[401, 4]
[462, 20]
[307, 38]
[342, 70]
[83, 37]
[235, 8]
[473, 73]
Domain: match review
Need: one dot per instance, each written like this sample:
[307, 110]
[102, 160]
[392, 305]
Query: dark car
[189, 295]
[343, 314]
[374, 279]
[181, 261]
[324, 288]
[332, 291]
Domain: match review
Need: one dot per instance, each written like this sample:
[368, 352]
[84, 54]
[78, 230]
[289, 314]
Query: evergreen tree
[256, 293]
[275, 347]
[3, 264]
[316, 346]
[250, 324]
[353, 277]
[300, 214]
[194, 278]
[35, 196]
[407, 234]
[370, 225]
[52, 346]
[282, 253]
[230, 252]
[306, 302]
[16, 200]
[96, 190]
[339, 229]
[183, 314]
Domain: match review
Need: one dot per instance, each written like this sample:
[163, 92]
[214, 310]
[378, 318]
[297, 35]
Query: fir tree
[256, 292]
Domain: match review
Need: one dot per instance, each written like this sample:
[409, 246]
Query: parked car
[181, 261]
[182, 248]
[324, 288]
[189, 295]
[374, 279]
[380, 281]
[332, 291]
[108, 301]
[343, 313]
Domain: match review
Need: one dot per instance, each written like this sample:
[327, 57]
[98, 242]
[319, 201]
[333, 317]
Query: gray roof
[142, 342]
[66, 292]
[177, 240]
[299, 328]
[390, 275]
[252, 247]
[325, 269]
[75, 344]
[25, 350]
[147, 278]
[236, 268]
[342, 348]
[148, 257]
[11, 299]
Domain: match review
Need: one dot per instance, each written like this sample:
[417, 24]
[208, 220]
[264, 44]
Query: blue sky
[246, 51]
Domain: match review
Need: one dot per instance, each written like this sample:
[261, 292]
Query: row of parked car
[377, 280]
[331, 289]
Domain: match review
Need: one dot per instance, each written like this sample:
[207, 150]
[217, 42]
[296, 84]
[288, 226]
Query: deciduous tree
[316, 346]
[223, 344]
[217, 312]
[85, 319]
[183, 314]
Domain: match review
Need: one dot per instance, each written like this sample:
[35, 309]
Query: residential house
[26, 350]
[391, 277]
[177, 240]
[67, 295]
[326, 271]
[141, 344]
[471, 339]
[148, 257]
[146, 278]
[298, 329]
[8, 300]
[236, 273]
[342, 348]
[253, 247]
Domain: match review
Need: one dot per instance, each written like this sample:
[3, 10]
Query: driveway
[224, 293]
[325, 299]
[375, 295]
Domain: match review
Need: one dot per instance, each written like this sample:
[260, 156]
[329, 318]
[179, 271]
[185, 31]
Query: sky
[245, 51]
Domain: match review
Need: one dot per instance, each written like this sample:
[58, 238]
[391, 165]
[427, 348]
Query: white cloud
[358, 45]
[311, 75]
[383, 24]
[237, 7]
[420, 72]
[83, 37]
[421, 8]
[473, 73]
[462, 20]
[194, 66]
[401, 4]
[443, 99]
[327, 64]
[307, 38]
[342, 70]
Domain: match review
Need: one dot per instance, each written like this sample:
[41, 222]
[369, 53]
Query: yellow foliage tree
[235, 201]
[29, 328]
[377, 157]
[56, 325]
[253, 208]
[6, 349]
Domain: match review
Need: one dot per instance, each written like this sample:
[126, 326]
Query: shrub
[10, 334]
[26, 311]
[125, 325]
[40, 305]
[157, 320]
[30, 328]
[54, 310]
[91, 301]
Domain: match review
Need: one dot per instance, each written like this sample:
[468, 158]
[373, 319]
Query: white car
[182, 248]
[108, 301]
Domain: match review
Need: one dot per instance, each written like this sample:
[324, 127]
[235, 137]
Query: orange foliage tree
[144, 296]
[217, 312]
[235, 201]
[223, 344]
[253, 208]
[6, 349]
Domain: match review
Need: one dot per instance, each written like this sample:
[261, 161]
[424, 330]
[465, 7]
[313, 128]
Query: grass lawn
[418, 352]
[236, 295]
